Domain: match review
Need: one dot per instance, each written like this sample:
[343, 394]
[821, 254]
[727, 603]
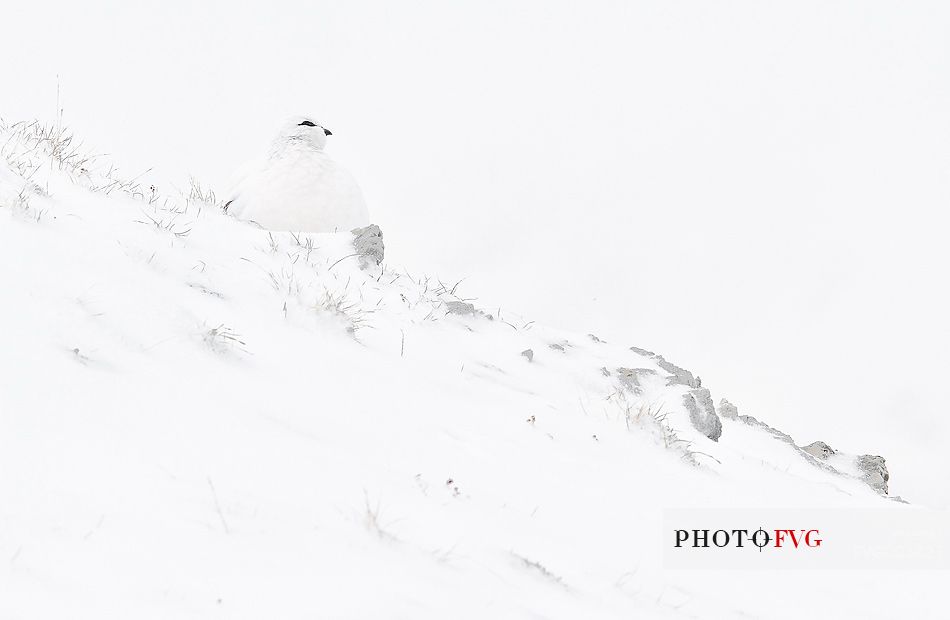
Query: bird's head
[305, 129]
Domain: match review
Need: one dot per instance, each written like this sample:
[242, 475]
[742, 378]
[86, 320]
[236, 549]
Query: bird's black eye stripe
[307, 123]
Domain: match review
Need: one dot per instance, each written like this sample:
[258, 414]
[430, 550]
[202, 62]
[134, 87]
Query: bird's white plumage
[298, 187]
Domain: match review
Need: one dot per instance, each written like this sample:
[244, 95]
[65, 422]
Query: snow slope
[201, 419]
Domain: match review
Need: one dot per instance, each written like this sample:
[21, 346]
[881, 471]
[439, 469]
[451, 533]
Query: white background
[757, 191]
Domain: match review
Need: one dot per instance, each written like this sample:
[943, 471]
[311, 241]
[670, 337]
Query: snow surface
[202, 419]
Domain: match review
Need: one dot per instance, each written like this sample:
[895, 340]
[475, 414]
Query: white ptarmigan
[298, 187]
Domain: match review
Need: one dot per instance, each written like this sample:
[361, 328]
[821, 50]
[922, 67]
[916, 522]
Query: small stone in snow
[459, 307]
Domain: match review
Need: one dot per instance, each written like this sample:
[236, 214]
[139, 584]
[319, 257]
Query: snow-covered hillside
[202, 419]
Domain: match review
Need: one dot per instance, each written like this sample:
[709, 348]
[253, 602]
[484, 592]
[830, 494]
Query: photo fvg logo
[892, 536]
[760, 539]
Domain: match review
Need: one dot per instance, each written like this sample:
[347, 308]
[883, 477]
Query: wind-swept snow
[200, 418]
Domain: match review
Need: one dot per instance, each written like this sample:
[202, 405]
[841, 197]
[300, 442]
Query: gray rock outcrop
[460, 307]
[874, 471]
[702, 413]
[727, 410]
[630, 378]
[819, 449]
[368, 243]
[697, 401]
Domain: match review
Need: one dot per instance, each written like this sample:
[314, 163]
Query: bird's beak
[327, 131]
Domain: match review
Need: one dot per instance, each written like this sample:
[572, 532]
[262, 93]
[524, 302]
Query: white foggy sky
[758, 191]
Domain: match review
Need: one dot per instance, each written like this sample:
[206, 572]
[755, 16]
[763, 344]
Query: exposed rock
[368, 242]
[703, 416]
[728, 410]
[819, 449]
[460, 307]
[698, 401]
[702, 413]
[642, 352]
[769, 429]
[556, 347]
[630, 378]
[681, 376]
[814, 453]
[528, 353]
[874, 471]
[871, 469]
